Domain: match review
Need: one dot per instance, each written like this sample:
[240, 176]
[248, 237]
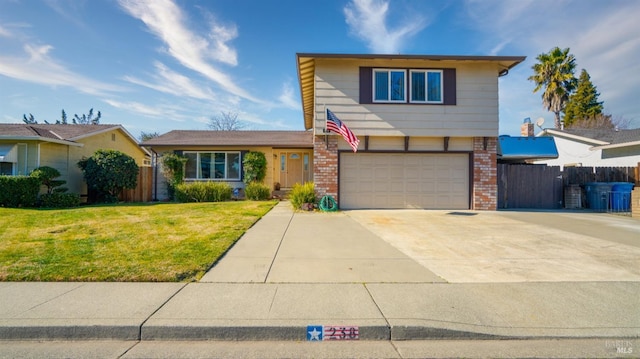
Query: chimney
[526, 129]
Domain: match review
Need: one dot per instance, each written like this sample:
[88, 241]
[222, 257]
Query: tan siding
[476, 113]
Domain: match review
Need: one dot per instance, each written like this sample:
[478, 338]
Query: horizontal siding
[396, 143]
[476, 112]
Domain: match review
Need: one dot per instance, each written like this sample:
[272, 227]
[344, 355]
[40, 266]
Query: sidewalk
[291, 271]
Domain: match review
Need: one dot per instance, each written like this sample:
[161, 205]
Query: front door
[291, 169]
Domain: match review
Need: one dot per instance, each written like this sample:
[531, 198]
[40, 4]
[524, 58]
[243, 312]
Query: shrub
[19, 191]
[302, 193]
[46, 176]
[108, 172]
[59, 200]
[255, 167]
[173, 170]
[257, 191]
[203, 192]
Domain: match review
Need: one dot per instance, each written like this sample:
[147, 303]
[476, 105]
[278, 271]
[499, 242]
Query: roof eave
[43, 139]
[615, 145]
[571, 136]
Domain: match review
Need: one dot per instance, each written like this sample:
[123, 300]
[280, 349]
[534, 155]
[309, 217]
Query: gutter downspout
[155, 175]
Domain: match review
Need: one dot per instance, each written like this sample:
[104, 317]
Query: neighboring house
[427, 125]
[218, 155]
[595, 147]
[24, 147]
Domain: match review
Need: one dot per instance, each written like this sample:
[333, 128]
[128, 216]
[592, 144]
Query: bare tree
[144, 136]
[226, 121]
[602, 121]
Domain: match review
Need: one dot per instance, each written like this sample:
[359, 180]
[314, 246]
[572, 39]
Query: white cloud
[164, 112]
[367, 19]
[287, 97]
[601, 34]
[166, 20]
[38, 67]
[173, 83]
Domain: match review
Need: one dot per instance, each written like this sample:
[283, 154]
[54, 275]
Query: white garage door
[404, 180]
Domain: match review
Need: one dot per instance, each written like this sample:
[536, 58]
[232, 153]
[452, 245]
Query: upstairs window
[389, 85]
[426, 86]
[408, 86]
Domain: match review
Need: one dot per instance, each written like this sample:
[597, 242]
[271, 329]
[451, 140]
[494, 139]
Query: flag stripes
[334, 124]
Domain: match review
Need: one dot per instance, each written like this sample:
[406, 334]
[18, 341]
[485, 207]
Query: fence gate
[529, 186]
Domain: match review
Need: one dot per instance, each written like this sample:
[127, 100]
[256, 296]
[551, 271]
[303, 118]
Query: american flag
[334, 124]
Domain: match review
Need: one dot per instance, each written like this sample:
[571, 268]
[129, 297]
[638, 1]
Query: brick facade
[485, 172]
[325, 166]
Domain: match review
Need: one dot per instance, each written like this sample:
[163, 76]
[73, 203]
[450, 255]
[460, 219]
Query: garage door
[404, 180]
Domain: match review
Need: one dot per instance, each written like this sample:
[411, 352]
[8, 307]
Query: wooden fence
[541, 186]
[144, 190]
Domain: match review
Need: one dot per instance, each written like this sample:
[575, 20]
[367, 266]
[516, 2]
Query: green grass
[166, 242]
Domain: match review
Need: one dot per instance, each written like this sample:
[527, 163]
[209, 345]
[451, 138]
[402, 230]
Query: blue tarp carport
[520, 149]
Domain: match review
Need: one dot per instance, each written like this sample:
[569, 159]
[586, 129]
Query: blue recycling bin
[621, 196]
[598, 195]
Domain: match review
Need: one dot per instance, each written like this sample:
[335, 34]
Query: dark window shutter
[366, 85]
[449, 84]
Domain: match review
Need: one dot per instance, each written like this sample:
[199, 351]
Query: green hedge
[19, 191]
[203, 192]
[256, 191]
[59, 200]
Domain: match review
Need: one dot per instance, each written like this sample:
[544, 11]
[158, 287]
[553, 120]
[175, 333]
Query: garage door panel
[404, 180]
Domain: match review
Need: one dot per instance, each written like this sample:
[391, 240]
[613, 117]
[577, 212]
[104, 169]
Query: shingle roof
[233, 138]
[57, 132]
[610, 136]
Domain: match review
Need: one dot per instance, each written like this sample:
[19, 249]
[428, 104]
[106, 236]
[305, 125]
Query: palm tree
[555, 72]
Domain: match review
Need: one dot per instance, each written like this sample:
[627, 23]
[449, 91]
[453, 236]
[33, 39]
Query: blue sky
[159, 65]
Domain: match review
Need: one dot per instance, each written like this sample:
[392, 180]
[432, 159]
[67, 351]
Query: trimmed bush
[257, 191]
[19, 191]
[302, 193]
[203, 192]
[254, 166]
[108, 172]
[59, 200]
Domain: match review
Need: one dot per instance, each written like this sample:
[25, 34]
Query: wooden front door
[291, 168]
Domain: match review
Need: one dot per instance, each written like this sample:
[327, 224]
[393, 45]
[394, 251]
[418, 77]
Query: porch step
[281, 193]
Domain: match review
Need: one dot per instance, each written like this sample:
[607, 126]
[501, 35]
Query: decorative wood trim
[406, 143]
[366, 143]
[446, 143]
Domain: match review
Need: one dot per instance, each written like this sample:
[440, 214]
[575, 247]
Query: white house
[595, 147]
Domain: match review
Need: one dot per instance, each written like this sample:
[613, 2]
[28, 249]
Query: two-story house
[427, 125]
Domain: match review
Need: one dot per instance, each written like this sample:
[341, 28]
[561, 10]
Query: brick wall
[325, 166]
[485, 172]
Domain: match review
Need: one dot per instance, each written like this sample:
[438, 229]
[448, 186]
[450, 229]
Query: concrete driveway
[512, 246]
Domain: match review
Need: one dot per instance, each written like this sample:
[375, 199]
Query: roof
[599, 137]
[65, 134]
[306, 70]
[526, 148]
[233, 138]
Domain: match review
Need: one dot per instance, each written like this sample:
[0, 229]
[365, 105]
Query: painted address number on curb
[332, 332]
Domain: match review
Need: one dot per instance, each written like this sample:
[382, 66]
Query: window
[6, 168]
[408, 86]
[389, 85]
[213, 165]
[426, 86]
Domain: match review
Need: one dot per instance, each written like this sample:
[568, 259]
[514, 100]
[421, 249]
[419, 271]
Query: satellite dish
[540, 122]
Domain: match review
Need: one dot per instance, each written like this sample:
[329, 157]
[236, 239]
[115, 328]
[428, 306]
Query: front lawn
[166, 242]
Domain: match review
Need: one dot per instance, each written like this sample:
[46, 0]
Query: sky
[160, 65]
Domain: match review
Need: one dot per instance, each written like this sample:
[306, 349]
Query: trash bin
[598, 195]
[621, 196]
